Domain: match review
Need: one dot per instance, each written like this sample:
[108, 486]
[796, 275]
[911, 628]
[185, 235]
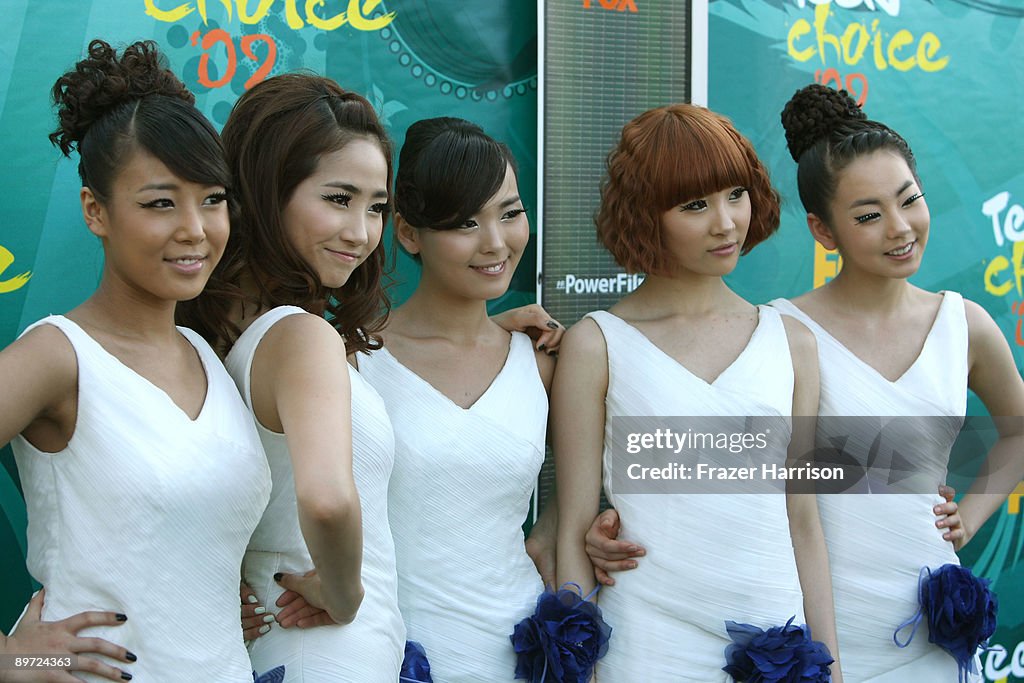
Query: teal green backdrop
[947, 73]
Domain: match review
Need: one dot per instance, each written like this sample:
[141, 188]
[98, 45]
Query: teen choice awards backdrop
[948, 74]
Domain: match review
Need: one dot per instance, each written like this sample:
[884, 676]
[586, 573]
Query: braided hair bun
[110, 105]
[814, 113]
[102, 82]
[826, 131]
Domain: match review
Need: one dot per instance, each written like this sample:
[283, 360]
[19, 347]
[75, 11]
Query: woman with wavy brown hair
[685, 195]
[299, 291]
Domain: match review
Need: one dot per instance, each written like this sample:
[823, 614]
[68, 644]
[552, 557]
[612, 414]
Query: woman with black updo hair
[468, 400]
[889, 348]
[141, 467]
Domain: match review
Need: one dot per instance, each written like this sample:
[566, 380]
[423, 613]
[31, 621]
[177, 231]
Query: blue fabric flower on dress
[960, 610]
[275, 675]
[562, 640]
[782, 654]
[415, 667]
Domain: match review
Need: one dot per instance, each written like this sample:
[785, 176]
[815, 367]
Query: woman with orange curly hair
[684, 197]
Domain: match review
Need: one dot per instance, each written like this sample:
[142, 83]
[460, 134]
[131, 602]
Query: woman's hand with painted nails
[310, 589]
[34, 637]
[255, 619]
[949, 521]
[533, 320]
[606, 552]
[295, 611]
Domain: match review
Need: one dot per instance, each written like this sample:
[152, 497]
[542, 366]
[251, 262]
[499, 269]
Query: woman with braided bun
[889, 348]
[142, 470]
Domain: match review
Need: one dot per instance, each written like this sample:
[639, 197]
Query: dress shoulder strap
[787, 307]
[941, 371]
[91, 356]
[202, 347]
[239, 359]
[522, 360]
[615, 330]
[772, 333]
[78, 337]
[950, 326]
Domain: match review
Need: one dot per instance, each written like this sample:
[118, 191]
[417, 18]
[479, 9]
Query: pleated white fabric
[371, 647]
[148, 512]
[879, 543]
[459, 495]
[710, 557]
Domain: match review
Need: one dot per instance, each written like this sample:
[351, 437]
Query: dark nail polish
[553, 354]
[130, 656]
[278, 576]
[121, 617]
[125, 676]
[542, 347]
[552, 325]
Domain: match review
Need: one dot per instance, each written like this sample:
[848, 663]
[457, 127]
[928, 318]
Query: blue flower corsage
[782, 654]
[961, 613]
[562, 640]
[415, 667]
[275, 675]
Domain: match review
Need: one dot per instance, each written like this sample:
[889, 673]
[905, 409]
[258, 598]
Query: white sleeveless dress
[459, 495]
[711, 557]
[369, 649]
[147, 512]
[878, 544]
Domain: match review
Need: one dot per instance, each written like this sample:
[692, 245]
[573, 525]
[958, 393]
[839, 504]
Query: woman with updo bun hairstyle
[728, 563]
[469, 404]
[892, 350]
[142, 471]
[299, 291]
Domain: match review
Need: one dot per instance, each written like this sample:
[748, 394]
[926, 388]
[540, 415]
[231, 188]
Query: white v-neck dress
[878, 543]
[370, 649]
[147, 512]
[459, 494]
[711, 557]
